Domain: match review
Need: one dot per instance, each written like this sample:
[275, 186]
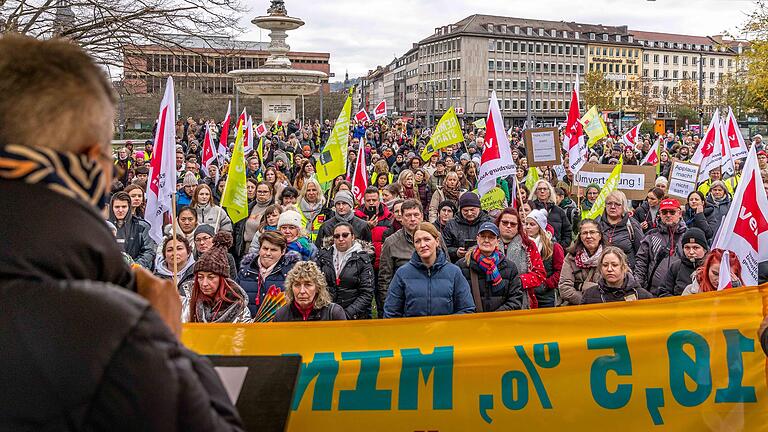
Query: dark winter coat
[572, 212]
[325, 234]
[353, 289]
[546, 293]
[559, 221]
[678, 277]
[418, 290]
[290, 313]
[690, 217]
[625, 235]
[508, 295]
[133, 237]
[458, 229]
[605, 294]
[238, 233]
[719, 210]
[643, 214]
[255, 285]
[377, 233]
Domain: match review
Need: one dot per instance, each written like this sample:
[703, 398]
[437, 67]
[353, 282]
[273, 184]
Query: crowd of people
[419, 242]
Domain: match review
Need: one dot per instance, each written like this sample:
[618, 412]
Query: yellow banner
[679, 364]
[494, 199]
[594, 126]
[447, 132]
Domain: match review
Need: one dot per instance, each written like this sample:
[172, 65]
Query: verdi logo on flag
[235, 198]
[380, 110]
[594, 126]
[632, 137]
[479, 123]
[333, 159]
[447, 132]
[573, 135]
[707, 155]
[732, 135]
[610, 185]
[162, 170]
[496, 159]
[360, 177]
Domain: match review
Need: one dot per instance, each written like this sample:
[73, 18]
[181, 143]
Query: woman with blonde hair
[308, 296]
[408, 181]
[616, 282]
[544, 194]
[207, 212]
[311, 206]
[449, 191]
[552, 255]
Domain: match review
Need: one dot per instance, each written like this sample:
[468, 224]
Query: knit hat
[205, 229]
[344, 196]
[469, 199]
[289, 217]
[447, 203]
[695, 235]
[190, 179]
[540, 217]
[216, 260]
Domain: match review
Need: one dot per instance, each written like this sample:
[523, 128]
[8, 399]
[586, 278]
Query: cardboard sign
[635, 181]
[682, 180]
[543, 146]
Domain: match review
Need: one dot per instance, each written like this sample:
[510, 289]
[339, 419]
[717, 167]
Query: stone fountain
[276, 83]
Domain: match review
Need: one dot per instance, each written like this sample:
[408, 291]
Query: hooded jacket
[458, 229]
[418, 290]
[134, 237]
[352, 289]
[256, 285]
[678, 277]
[657, 250]
[186, 273]
[208, 215]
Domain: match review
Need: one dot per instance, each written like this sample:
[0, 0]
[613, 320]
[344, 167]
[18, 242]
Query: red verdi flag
[632, 137]
[360, 178]
[209, 153]
[732, 135]
[381, 110]
[225, 131]
[707, 154]
[496, 158]
[362, 116]
[261, 129]
[573, 135]
[162, 172]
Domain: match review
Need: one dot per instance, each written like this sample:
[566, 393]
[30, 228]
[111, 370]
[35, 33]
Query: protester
[695, 247]
[184, 195]
[493, 279]
[591, 193]
[707, 277]
[203, 238]
[379, 220]
[349, 272]
[446, 211]
[616, 280]
[579, 271]
[556, 217]
[311, 206]
[697, 203]
[552, 256]
[308, 296]
[291, 227]
[648, 211]
[267, 269]
[429, 284]
[343, 204]
[523, 252]
[720, 201]
[211, 296]
[618, 228]
[138, 203]
[449, 192]
[132, 231]
[269, 221]
[207, 212]
[460, 232]
[120, 354]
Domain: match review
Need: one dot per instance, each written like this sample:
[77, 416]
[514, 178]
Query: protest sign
[543, 146]
[634, 181]
[682, 180]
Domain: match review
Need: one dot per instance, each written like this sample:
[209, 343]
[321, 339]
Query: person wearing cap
[343, 203]
[757, 141]
[184, 196]
[552, 255]
[428, 284]
[291, 227]
[203, 242]
[695, 247]
[493, 279]
[720, 201]
[211, 296]
[661, 244]
[460, 232]
[544, 199]
[762, 159]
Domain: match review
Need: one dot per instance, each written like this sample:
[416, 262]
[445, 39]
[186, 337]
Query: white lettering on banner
[685, 172]
[626, 180]
[680, 188]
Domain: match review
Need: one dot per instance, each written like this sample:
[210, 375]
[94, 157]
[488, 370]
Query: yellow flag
[447, 132]
[479, 123]
[593, 126]
[610, 185]
[531, 179]
[260, 152]
[333, 158]
[235, 199]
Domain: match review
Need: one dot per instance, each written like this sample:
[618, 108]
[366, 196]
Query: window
[610, 67]
[720, 62]
[506, 104]
[560, 49]
[591, 50]
[655, 73]
[623, 52]
[538, 67]
[645, 73]
[538, 48]
[560, 68]
[523, 67]
[666, 73]
[666, 59]
[523, 47]
[545, 105]
[685, 60]
[491, 45]
[491, 64]
[507, 85]
[675, 59]
[581, 51]
[515, 85]
[711, 77]
[560, 86]
[499, 45]
[499, 65]
[490, 84]
[567, 50]
[674, 74]
[545, 86]
[514, 66]
[498, 84]
[515, 47]
[538, 85]
[610, 52]
[538, 105]
[530, 48]
[730, 62]
[546, 67]
[514, 104]
[567, 86]
[507, 65]
[523, 85]
[507, 46]
[712, 62]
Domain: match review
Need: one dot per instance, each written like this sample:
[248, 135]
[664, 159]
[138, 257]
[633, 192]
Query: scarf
[302, 246]
[221, 311]
[516, 253]
[489, 264]
[340, 259]
[311, 211]
[263, 273]
[68, 174]
[584, 261]
[537, 241]
[451, 193]
[347, 217]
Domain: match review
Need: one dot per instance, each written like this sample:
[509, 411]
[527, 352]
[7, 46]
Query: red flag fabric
[732, 134]
[707, 155]
[209, 153]
[248, 138]
[631, 138]
[360, 178]
[380, 110]
[362, 116]
[162, 172]
[496, 158]
[744, 230]
[653, 157]
[261, 129]
[573, 135]
[225, 131]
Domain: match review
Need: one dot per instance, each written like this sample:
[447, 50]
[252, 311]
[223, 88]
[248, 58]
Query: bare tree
[104, 27]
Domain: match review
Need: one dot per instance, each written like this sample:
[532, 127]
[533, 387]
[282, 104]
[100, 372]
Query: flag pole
[218, 218]
[173, 239]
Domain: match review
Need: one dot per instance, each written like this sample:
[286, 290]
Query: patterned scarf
[490, 265]
[75, 176]
[583, 260]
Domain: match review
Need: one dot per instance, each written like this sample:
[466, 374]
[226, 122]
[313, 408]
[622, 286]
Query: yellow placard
[678, 364]
[494, 199]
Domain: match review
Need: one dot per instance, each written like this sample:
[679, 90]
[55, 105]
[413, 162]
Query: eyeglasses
[508, 223]
[342, 235]
[612, 204]
[668, 212]
[542, 189]
[592, 233]
[203, 239]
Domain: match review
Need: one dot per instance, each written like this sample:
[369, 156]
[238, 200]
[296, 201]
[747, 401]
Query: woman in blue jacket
[428, 284]
[269, 268]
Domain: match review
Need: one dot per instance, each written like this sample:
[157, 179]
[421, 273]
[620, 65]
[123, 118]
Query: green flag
[333, 158]
[610, 185]
[531, 179]
[593, 126]
[479, 123]
[447, 132]
[235, 197]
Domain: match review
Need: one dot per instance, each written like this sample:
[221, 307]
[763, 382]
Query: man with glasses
[663, 243]
[203, 238]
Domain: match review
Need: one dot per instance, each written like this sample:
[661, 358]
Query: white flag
[248, 144]
[724, 278]
[573, 135]
[496, 158]
[632, 137]
[732, 135]
[744, 230]
[162, 172]
[707, 154]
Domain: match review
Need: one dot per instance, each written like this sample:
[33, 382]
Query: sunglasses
[342, 235]
[508, 223]
[668, 212]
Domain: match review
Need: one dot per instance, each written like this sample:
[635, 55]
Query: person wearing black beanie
[695, 248]
[212, 296]
[445, 212]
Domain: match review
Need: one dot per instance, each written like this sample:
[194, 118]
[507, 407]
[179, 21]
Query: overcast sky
[361, 34]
